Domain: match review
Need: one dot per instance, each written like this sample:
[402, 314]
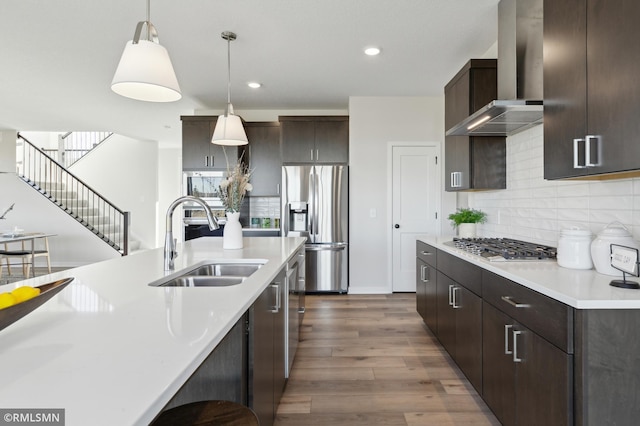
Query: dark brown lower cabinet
[446, 321]
[266, 351]
[527, 380]
[426, 283]
[535, 360]
[222, 375]
[459, 327]
[468, 308]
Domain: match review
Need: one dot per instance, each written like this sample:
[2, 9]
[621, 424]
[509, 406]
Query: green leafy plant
[467, 215]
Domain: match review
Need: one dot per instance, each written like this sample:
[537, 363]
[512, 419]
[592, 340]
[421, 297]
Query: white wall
[125, 171]
[72, 245]
[535, 209]
[374, 122]
[170, 188]
[8, 151]
[47, 140]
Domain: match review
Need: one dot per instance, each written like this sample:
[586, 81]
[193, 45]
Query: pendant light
[145, 72]
[229, 130]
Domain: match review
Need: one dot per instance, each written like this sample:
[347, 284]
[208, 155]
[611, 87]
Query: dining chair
[24, 254]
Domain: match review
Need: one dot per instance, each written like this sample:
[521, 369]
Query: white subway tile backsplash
[607, 216]
[263, 207]
[569, 189]
[611, 187]
[545, 193]
[535, 209]
[578, 215]
[609, 202]
[573, 202]
[544, 213]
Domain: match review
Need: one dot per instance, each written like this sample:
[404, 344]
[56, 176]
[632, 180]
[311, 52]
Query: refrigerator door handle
[313, 209]
[320, 247]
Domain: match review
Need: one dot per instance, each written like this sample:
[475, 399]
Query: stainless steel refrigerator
[315, 201]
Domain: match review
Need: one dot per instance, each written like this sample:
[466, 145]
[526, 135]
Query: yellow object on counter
[25, 293]
[6, 300]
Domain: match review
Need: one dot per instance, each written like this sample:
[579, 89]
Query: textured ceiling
[57, 58]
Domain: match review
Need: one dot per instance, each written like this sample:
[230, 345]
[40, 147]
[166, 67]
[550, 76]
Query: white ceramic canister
[613, 233]
[574, 248]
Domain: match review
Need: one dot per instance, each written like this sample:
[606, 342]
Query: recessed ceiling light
[372, 51]
[254, 85]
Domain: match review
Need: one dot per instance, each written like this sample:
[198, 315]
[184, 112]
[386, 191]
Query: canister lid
[615, 229]
[575, 231]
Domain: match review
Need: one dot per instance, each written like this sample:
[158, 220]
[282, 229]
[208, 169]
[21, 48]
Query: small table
[22, 237]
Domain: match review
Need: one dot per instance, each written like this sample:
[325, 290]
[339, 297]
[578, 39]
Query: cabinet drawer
[461, 271]
[549, 318]
[426, 253]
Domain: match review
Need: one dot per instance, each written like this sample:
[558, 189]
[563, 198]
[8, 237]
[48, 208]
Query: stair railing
[74, 196]
[72, 146]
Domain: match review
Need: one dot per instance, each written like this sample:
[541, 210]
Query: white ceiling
[57, 58]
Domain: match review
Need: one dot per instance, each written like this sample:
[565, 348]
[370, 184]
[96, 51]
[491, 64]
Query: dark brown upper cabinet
[473, 162]
[198, 153]
[591, 91]
[264, 158]
[314, 139]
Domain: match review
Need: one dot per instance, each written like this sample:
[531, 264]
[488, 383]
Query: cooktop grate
[505, 248]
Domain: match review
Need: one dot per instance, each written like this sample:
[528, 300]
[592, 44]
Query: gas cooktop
[504, 249]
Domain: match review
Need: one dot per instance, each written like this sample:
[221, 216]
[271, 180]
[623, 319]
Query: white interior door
[415, 198]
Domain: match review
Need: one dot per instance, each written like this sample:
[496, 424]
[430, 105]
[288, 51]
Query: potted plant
[465, 220]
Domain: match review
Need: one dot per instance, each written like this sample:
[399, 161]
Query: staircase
[73, 196]
[72, 146]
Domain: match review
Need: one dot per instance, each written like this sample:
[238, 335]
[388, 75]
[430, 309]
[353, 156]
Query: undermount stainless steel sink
[226, 269]
[203, 281]
[215, 274]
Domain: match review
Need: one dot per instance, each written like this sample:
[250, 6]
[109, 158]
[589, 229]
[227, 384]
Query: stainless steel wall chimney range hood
[519, 105]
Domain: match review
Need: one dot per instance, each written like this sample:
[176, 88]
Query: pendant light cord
[228, 75]
[149, 20]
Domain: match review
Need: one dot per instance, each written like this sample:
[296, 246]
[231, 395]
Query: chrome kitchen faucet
[170, 252]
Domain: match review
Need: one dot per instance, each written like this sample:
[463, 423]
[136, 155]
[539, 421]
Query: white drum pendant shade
[229, 131]
[145, 73]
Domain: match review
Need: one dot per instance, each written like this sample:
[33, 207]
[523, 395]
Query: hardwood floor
[370, 360]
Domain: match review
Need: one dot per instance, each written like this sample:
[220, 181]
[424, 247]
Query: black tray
[13, 313]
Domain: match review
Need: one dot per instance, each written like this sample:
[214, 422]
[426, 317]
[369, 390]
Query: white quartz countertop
[582, 289]
[112, 350]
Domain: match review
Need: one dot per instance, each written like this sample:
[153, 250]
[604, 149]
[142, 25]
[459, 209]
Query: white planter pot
[467, 230]
[232, 234]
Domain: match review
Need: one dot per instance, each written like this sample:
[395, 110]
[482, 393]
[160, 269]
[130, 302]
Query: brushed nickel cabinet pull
[455, 302]
[587, 147]
[426, 253]
[576, 149]
[424, 276]
[507, 327]
[516, 333]
[514, 303]
[276, 287]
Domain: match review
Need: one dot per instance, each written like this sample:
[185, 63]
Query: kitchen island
[111, 350]
[540, 343]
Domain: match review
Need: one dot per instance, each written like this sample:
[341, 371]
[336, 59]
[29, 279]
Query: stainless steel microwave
[203, 185]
